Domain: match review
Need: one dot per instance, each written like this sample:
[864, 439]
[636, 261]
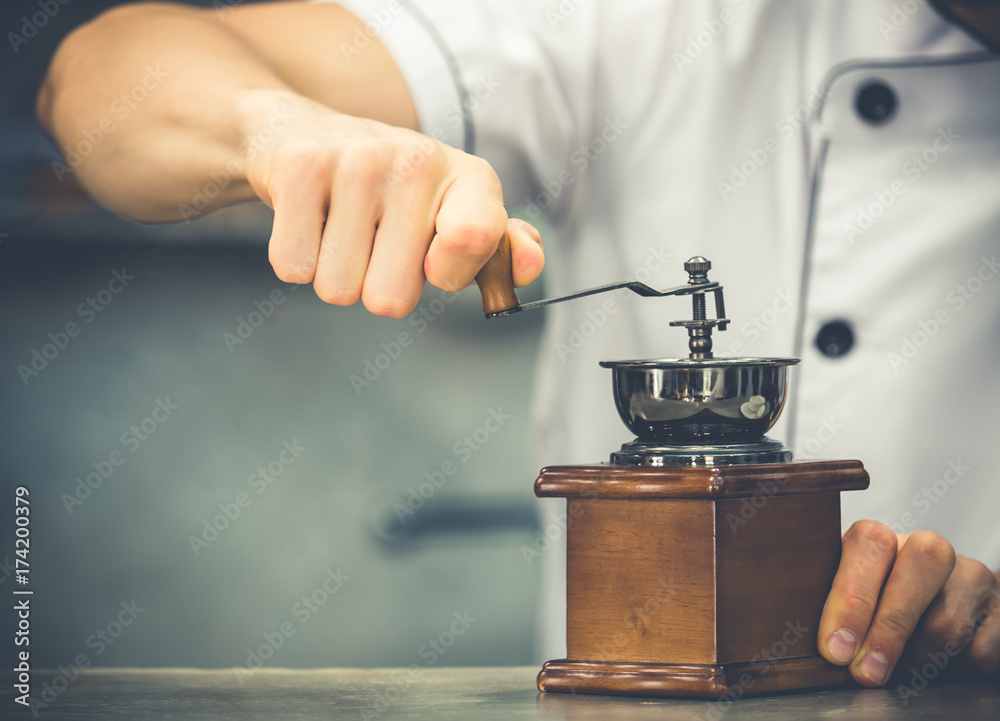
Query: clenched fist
[368, 211]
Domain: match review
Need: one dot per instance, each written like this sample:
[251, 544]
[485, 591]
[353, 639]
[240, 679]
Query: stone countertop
[439, 694]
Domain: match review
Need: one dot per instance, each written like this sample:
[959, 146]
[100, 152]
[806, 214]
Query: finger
[300, 207]
[348, 238]
[869, 550]
[527, 256]
[922, 567]
[984, 651]
[948, 625]
[394, 278]
[469, 225]
[951, 618]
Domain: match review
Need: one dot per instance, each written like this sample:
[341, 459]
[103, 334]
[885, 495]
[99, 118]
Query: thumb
[469, 225]
[527, 255]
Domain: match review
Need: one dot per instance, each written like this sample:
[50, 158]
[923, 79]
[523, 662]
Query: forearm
[143, 103]
[153, 102]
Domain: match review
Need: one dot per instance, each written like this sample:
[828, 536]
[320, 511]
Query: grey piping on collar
[831, 76]
[847, 66]
[800, 321]
[468, 128]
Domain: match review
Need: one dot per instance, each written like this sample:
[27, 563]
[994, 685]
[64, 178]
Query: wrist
[264, 116]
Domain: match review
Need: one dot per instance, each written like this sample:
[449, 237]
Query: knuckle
[859, 601]
[432, 160]
[475, 164]
[980, 575]
[932, 549]
[873, 533]
[362, 164]
[946, 626]
[895, 625]
[472, 239]
[528, 228]
[418, 158]
[303, 156]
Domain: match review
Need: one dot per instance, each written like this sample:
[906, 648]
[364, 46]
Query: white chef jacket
[648, 131]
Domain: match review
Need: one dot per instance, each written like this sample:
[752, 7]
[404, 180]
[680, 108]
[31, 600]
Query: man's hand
[368, 211]
[257, 101]
[901, 602]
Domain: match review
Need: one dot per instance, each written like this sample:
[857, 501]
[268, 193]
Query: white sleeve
[506, 80]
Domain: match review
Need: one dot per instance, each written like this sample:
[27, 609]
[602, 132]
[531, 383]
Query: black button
[835, 338]
[875, 102]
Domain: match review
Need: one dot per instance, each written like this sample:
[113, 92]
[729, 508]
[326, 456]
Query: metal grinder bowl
[700, 401]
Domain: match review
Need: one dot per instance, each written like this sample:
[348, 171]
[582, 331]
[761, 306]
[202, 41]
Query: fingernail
[842, 645]
[875, 666]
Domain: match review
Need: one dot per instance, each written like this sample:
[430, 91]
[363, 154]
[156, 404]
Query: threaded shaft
[698, 306]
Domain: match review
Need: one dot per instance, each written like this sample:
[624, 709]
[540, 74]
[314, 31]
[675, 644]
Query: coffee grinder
[699, 557]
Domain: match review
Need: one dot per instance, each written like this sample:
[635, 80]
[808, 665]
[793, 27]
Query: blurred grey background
[391, 535]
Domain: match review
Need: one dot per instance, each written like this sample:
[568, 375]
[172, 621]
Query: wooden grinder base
[702, 582]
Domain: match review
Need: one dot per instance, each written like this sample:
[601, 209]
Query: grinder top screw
[700, 327]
